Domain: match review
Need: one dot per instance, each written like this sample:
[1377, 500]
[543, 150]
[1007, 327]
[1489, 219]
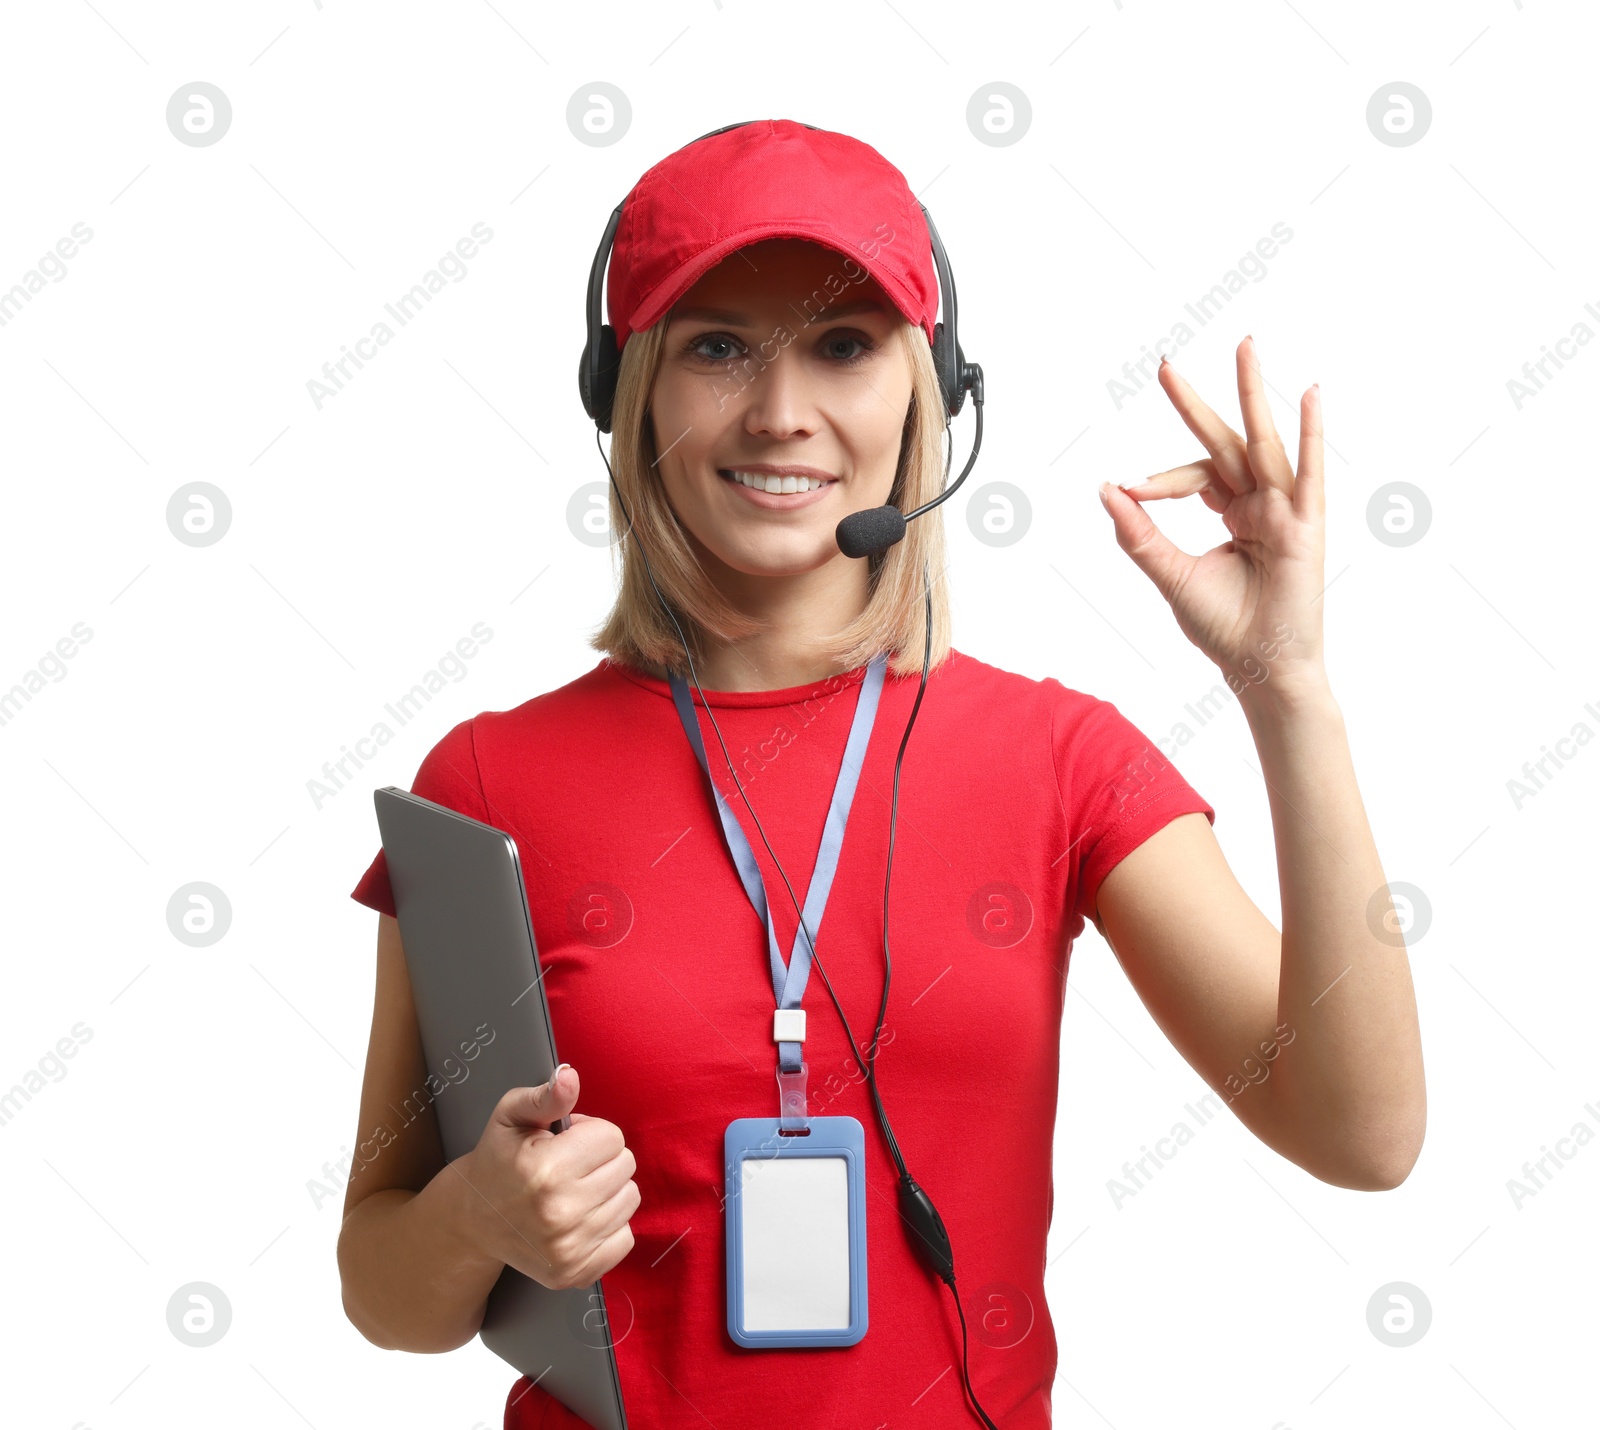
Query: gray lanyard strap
[789, 984]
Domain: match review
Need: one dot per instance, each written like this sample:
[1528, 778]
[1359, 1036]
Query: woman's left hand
[1253, 604]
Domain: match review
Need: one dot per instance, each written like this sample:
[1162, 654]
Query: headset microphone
[875, 530]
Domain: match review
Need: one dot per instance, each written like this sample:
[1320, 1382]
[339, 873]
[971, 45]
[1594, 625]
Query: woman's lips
[777, 501]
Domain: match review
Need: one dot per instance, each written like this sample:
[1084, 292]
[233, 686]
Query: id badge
[796, 1221]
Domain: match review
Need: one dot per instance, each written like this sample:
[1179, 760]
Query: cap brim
[661, 298]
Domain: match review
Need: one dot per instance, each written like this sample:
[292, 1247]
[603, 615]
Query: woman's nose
[779, 399]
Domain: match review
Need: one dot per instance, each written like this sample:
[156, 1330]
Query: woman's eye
[864, 348]
[713, 340]
[845, 349]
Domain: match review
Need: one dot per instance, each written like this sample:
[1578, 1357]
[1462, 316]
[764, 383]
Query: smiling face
[780, 406]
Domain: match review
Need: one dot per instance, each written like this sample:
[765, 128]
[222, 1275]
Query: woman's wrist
[464, 1216]
[1279, 697]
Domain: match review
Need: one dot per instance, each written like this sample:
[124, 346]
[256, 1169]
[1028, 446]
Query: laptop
[478, 989]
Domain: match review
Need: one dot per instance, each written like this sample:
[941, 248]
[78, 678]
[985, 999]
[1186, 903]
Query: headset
[861, 534]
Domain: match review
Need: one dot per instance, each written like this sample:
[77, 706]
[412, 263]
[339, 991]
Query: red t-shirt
[1017, 796]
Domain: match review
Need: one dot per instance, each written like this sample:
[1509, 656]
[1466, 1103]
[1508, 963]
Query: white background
[369, 536]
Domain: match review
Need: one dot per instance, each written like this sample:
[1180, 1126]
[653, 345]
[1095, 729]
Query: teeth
[764, 483]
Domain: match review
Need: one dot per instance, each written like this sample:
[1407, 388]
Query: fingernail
[557, 1072]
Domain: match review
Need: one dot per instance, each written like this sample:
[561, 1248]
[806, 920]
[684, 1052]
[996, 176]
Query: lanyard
[789, 984]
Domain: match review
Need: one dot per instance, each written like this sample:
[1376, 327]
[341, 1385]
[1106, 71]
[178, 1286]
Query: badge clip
[792, 1114]
[789, 1026]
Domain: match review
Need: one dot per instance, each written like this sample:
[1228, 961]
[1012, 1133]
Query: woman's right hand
[556, 1206]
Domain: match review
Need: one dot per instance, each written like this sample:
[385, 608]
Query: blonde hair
[637, 630]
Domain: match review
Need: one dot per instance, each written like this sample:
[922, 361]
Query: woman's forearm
[413, 1280]
[1350, 1083]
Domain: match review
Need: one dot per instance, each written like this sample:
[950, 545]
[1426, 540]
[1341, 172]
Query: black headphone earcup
[597, 377]
[583, 381]
[947, 364]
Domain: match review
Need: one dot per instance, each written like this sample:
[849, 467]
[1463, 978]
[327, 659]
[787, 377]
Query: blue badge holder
[759, 1139]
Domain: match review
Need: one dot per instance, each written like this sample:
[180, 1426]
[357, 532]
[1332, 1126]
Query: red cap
[771, 178]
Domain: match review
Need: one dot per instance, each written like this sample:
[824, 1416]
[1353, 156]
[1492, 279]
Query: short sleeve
[1117, 789]
[449, 776]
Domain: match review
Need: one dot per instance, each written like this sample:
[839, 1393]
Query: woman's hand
[554, 1205]
[1253, 603]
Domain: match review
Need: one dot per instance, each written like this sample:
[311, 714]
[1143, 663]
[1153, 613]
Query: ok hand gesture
[1251, 604]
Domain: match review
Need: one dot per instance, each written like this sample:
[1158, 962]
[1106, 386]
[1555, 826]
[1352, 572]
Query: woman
[795, 343]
